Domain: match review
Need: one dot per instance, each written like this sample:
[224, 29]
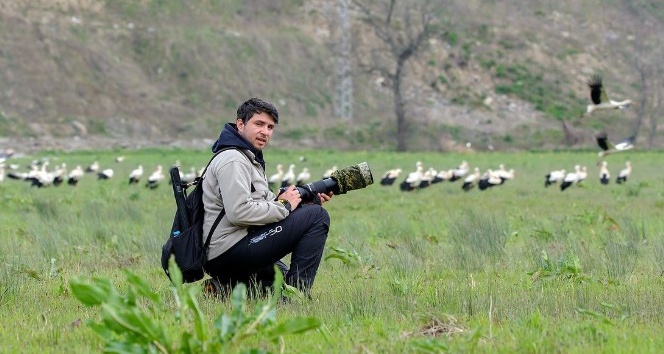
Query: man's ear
[239, 124]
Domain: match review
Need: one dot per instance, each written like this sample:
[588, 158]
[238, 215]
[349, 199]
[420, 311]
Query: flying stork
[608, 147]
[600, 99]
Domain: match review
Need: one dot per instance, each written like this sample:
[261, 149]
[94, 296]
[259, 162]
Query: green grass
[516, 268]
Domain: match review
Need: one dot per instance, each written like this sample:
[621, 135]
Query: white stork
[276, 177]
[604, 175]
[155, 178]
[22, 176]
[75, 175]
[93, 167]
[624, 173]
[460, 171]
[554, 177]
[289, 176]
[42, 177]
[189, 177]
[413, 179]
[600, 99]
[504, 174]
[105, 174]
[608, 147]
[59, 174]
[489, 179]
[303, 177]
[136, 174]
[443, 175]
[390, 176]
[328, 173]
[428, 177]
[571, 178]
[583, 174]
[472, 179]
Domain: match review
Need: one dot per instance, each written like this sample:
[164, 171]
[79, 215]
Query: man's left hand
[325, 197]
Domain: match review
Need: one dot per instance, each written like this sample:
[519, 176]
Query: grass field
[515, 268]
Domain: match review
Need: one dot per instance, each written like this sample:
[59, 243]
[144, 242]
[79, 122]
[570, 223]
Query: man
[259, 227]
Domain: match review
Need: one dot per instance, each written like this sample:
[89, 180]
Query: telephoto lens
[342, 180]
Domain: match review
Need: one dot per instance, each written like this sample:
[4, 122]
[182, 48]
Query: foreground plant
[152, 326]
[567, 267]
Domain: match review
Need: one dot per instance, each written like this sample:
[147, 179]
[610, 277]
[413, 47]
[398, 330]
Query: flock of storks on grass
[39, 175]
[562, 177]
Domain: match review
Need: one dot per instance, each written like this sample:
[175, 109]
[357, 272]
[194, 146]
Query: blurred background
[392, 75]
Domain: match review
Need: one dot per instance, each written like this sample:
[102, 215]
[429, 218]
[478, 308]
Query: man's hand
[325, 197]
[292, 195]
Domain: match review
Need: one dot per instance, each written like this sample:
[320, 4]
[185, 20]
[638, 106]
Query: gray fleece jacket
[228, 184]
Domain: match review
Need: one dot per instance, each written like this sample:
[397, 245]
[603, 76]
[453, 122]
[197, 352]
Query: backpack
[185, 240]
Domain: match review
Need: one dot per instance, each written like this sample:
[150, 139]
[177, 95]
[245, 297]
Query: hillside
[140, 73]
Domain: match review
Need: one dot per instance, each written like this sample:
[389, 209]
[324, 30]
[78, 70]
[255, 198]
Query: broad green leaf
[117, 321]
[91, 294]
[146, 326]
[200, 323]
[124, 348]
[238, 303]
[342, 258]
[174, 271]
[293, 326]
[102, 331]
[226, 327]
[142, 287]
[186, 344]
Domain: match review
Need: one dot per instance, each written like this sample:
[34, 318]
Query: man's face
[258, 130]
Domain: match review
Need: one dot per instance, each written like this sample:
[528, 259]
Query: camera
[340, 182]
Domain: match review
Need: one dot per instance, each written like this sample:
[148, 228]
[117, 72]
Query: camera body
[340, 182]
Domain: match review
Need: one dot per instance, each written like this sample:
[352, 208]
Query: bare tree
[343, 95]
[645, 58]
[402, 29]
[573, 136]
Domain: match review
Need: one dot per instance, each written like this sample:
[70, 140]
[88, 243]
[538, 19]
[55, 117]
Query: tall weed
[621, 249]
[658, 252]
[478, 240]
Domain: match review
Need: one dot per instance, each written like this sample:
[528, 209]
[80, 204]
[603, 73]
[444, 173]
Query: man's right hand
[292, 195]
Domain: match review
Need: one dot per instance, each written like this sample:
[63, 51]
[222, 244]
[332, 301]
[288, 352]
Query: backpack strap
[206, 246]
[214, 226]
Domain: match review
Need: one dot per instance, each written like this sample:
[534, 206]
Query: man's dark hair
[256, 106]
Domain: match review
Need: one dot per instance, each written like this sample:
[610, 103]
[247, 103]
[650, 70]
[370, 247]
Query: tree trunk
[400, 110]
[571, 137]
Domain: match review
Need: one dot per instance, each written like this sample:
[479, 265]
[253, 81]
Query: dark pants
[251, 261]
